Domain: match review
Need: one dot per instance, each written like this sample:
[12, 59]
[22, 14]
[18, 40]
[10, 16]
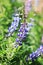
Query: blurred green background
[8, 54]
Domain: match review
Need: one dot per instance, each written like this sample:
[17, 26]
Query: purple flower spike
[14, 24]
[37, 53]
[23, 31]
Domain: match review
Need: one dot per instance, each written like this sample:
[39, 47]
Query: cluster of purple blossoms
[36, 54]
[23, 31]
[14, 25]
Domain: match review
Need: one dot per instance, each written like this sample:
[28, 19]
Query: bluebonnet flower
[23, 31]
[36, 54]
[14, 25]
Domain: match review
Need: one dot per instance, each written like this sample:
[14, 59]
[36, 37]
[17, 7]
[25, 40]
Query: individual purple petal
[41, 47]
[17, 40]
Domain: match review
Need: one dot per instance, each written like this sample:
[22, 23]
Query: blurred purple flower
[28, 6]
[36, 54]
[14, 25]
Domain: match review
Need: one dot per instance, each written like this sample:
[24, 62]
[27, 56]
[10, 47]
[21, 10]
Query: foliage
[8, 54]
